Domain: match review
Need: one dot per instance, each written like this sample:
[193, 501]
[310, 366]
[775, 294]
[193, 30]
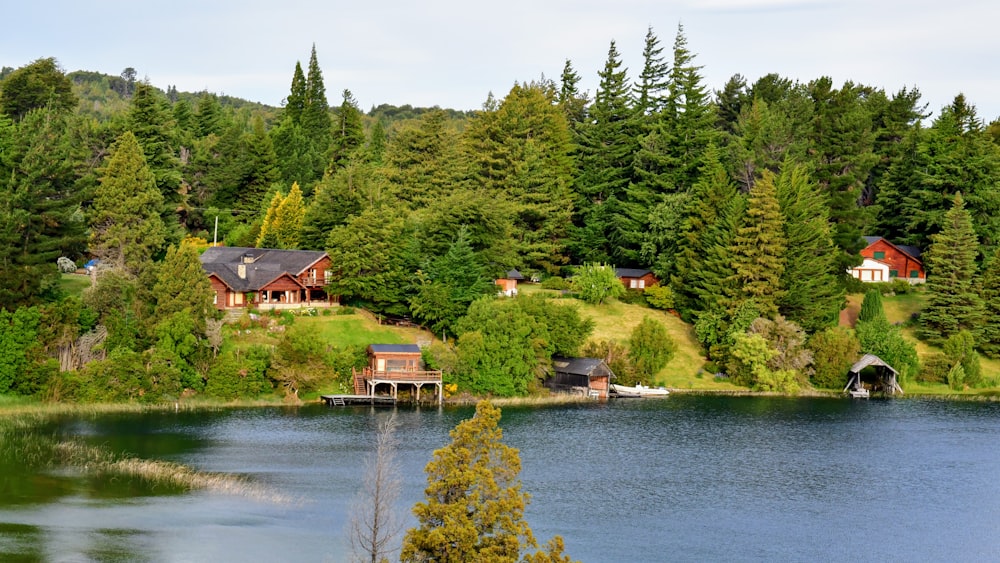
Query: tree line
[749, 201]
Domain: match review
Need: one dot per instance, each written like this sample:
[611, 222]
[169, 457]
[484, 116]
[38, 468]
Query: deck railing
[403, 376]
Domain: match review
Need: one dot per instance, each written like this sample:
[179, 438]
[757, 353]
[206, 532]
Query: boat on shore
[638, 391]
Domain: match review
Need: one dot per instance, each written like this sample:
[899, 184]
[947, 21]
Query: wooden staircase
[359, 382]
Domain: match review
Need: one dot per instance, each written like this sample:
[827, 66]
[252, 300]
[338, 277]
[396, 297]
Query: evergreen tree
[295, 103]
[474, 507]
[126, 229]
[261, 167]
[182, 287]
[952, 302]
[501, 348]
[208, 115]
[520, 153]
[37, 85]
[814, 294]
[703, 262]
[649, 91]
[871, 307]
[572, 102]
[349, 134]
[287, 223]
[842, 149]
[40, 218]
[422, 161]
[989, 291]
[151, 122]
[729, 103]
[373, 260]
[448, 285]
[607, 148]
[758, 251]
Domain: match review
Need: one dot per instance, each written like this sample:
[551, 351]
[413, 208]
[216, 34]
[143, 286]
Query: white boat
[639, 390]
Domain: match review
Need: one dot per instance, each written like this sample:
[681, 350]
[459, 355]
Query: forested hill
[749, 200]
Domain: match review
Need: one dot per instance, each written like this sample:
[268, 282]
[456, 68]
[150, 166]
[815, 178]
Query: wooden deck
[344, 400]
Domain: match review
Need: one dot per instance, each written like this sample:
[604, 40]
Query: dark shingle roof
[576, 366]
[394, 348]
[263, 265]
[630, 272]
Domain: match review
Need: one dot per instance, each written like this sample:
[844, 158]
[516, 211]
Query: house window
[893, 273]
[633, 284]
[641, 284]
[914, 273]
[879, 255]
[215, 298]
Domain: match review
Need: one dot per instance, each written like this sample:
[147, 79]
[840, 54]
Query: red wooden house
[885, 261]
[267, 278]
[636, 278]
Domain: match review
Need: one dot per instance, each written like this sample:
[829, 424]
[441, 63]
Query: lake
[686, 478]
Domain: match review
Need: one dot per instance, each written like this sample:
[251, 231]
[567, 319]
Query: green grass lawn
[615, 320]
[74, 284]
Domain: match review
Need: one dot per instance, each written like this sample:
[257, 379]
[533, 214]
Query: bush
[660, 297]
[240, 376]
[555, 282]
[65, 265]
[346, 310]
[834, 351]
[960, 348]
[634, 297]
[934, 369]
[286, 318]
[650, 348]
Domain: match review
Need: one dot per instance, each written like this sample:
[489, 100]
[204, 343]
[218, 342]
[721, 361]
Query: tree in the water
[474, 509]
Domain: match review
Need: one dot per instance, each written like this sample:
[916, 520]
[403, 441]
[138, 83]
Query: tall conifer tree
[953, 304]
[759, 252]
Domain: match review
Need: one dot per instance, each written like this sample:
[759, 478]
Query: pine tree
[126, 228]
[295, 103]
[703, 262]
[572, 102]
[474, 507]
[520, 153]
[422, 161]
[989, 291]
[40, 217]
[208, 115]
[607, 148]
[181, 287]
[871, 307]
[151, 122]
[952, 302]
[349, 134]
[814, 294]
[287, 221]
[759, 252]
[35, 86]
[268, 237]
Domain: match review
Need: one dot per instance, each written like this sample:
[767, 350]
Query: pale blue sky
[453, 53]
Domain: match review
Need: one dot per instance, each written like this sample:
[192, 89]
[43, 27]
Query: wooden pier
[344, 400]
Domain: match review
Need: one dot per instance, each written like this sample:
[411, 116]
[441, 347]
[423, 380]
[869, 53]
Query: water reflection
[686, 478]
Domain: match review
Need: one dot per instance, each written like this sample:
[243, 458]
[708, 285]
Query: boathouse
[391, 366]
[590, 377]
[861, 382]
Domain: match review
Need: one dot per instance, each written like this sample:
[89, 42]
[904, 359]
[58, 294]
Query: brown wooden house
[884, 261]
[392, 365]
[267, 278]
[585, 376]
[636, 278]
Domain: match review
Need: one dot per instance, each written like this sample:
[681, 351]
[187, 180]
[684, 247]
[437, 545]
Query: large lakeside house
[267, 278]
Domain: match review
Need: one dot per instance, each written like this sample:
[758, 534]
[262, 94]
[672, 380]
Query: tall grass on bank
[22, 438]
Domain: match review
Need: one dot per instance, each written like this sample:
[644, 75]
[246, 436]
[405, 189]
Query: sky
[454, 53]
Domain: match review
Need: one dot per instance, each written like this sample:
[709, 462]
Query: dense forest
[749, 201]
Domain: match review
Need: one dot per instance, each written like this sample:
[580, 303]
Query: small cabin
[590, 377]
[394, 357]
[636, 278]
[508, 283]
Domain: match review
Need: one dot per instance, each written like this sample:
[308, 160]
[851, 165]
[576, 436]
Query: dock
[344, 400]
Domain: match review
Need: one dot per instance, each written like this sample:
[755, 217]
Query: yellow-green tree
[474, 510]
[282, 225]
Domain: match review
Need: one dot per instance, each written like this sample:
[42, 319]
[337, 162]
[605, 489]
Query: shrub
[346, 310]
[65, 265]
[650, 348]
[834, 350]
[960, 348]
[934, 368]
[555, 282]
[660, 297]
[286, 318]
[239, 376]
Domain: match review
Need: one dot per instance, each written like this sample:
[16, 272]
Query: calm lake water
[676, 479]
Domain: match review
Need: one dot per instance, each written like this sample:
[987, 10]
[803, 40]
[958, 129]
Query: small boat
[640, 390]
